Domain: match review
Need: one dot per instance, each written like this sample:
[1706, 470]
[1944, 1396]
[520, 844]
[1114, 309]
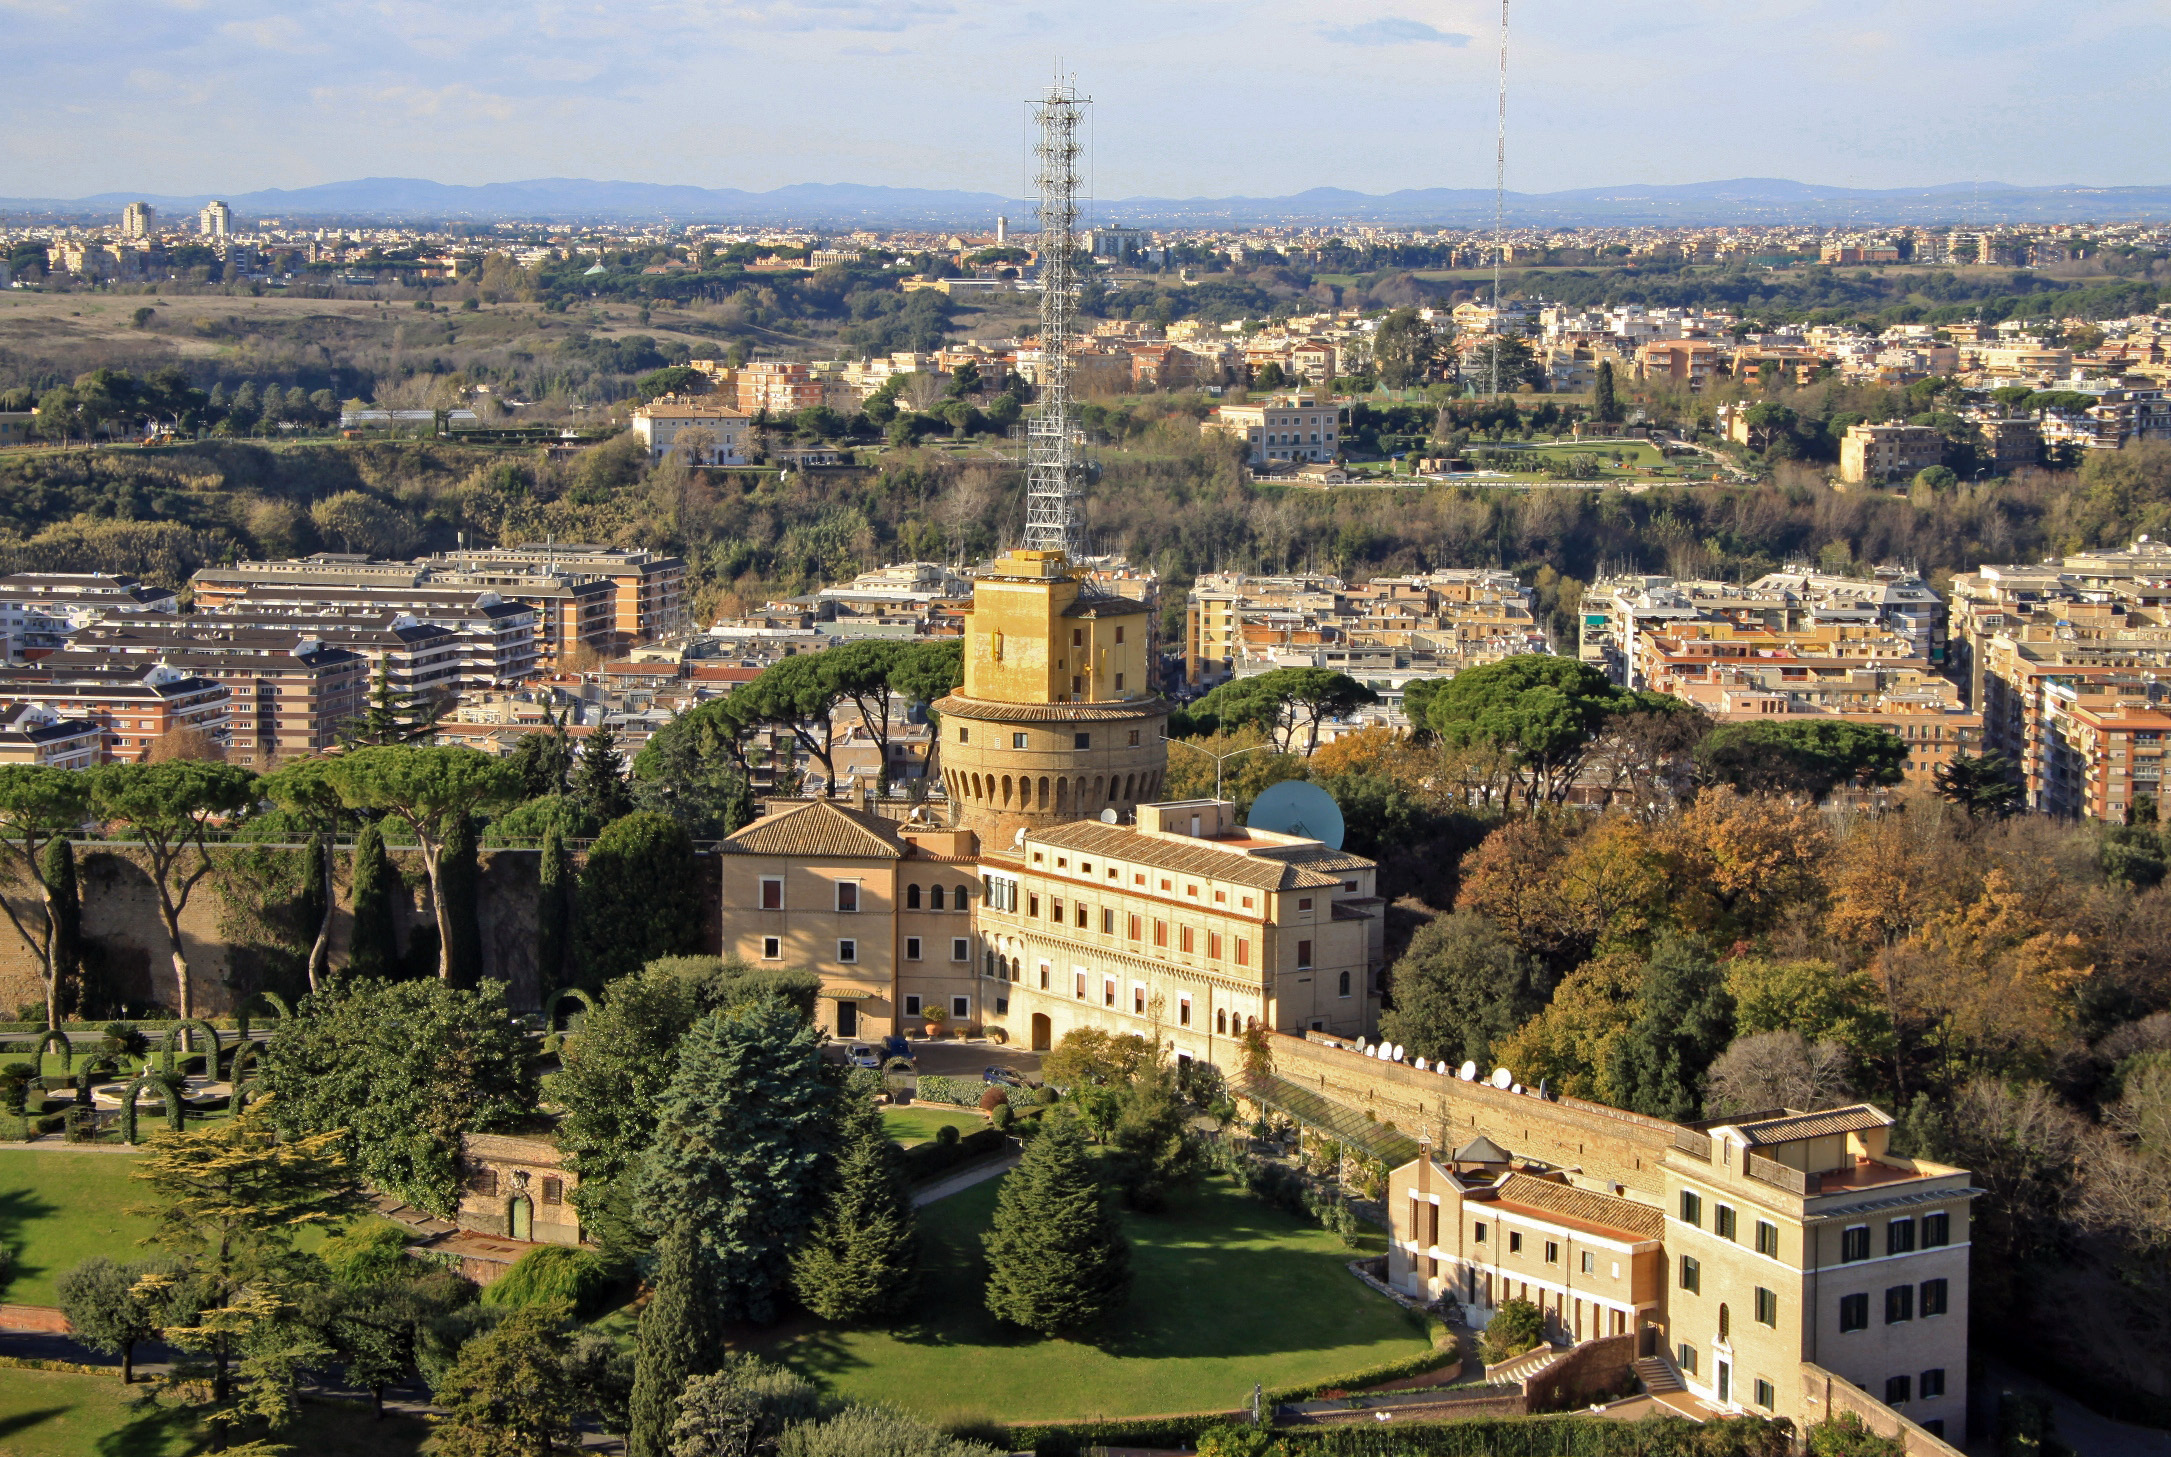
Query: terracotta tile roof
[1856, 1119]
[1190, 857]
[1543, 1196]
[821, 830]
[986, 710]
[1322, 857]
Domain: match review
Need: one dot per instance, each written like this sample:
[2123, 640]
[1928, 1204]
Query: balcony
[1689, 1141]
[1781, 1176]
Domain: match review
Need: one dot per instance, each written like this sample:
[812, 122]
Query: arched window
[912, 896]
[1130, 782]
[1726, 1323]
[1043, 791]
[1251, 1024]
[1221, 1022]
[1006, 789]
[1062, 796]
[934, 899]
[959, 902]
[1345, 983]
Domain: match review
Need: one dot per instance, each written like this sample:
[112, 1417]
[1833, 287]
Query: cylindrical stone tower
[1055, 720]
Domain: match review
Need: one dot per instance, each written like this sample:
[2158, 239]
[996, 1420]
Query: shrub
[1001, 1118]
[15, 1080]
[124, 1039]
[580, 1279]
[994, 1098]
[924, 1161]
[1517, 1326]
[946, 1134]
[965, 1092]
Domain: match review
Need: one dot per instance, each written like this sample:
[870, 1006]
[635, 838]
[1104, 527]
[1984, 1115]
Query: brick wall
[1599, 1368]
[1609, 1146]
[1825, 1395]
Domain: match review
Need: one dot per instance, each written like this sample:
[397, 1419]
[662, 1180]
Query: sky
[1192, 98]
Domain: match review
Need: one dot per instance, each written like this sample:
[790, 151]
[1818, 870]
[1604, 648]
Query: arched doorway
[1043, 1032]
[520, 1218]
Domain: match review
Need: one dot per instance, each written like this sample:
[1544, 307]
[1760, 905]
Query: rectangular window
[959, 950]
[848, 896]
[1108, 991]
[1722, 1221]
[1767, 1395]
[1900, 1237]
[1044, 970]
[1183, 939]
[1590, 1263]
[1515, 1242]
[1138, 1000]
[1055, 909]
[1134, 928]
[1119, 636]
[1081, 741]
[1160, 933]
[772, 948]
[1304, 956]
[772, 893]
[1854, 1244]
[1936, 1230]
[1213, 945]
[912, 948]
[1304, 903]
[1477, 1234]
[1933, 1384]
[1767, 1238]
[961, 1007]
[964, 734]
[1119, 689]
[912, 1006]
[1183, 1011]
[1767, 1306]
[1552, 1252]
[1017, 741]
[553, 1189]
[1134, 738]
[1243, 951]
[1692, 1275]
[1032, 906]
[1899, 1304]
[848, 951]
[1853, 1312]
[1896, 1390]
[1108, 921]
[1079, 977]
[1935, 1297]
[1692, 1208]
[484, 1181]
[1686, 1358]
[1082, 915]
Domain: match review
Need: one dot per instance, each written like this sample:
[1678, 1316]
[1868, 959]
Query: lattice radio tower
[1054, 475]
[1500, 193]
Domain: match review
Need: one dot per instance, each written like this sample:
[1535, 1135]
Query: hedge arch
[281, 1008]
[173, 1034]
[563, 994]
[176, 1110]
[246, 1056]
[67, 1049]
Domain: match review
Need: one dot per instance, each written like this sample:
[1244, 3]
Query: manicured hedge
[1444, 1350]
[925, 1160]
[1576, 1435]
[1075, 1439]
[965, 1092]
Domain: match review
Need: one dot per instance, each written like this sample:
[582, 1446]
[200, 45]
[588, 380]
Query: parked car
[1004, 1077]
[894, 1047]
[861, 1055]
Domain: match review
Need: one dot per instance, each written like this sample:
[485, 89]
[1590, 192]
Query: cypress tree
[315, 903]
[743, 1146]
[459, 881]
[1605, 405]
[371, 950]
[860, 1260]
[640, 896]
[553, 912]
[1057, 1260]
[674, 1340]
[64, 903]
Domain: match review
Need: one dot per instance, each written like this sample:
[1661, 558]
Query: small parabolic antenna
[1398, 1052]
[1298, 807]
[1109, 816]
[1503, 1079]
[1019, 837]
[1468, 1072]
[1420, 1064]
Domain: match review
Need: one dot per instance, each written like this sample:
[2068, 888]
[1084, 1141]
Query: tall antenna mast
[1500, 192]
[1053, 471]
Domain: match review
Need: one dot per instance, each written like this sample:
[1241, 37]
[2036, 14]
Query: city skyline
[1200, 99]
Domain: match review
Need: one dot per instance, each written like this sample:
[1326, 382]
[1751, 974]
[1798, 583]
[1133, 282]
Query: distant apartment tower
[138, 220]
[1869, 453]
[1002, 231]
[216, 220]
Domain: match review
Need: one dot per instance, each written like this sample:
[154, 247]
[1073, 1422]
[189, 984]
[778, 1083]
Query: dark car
[1004, 1077]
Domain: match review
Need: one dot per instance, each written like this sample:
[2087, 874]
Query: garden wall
[230, 954]
[1610, 1147]
[1825, 1396]
[1605, 1367]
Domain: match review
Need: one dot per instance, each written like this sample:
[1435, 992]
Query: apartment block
[280, 703]
[133, 704]
[1872, 453]
[1282, 428]
[649, 586]
[1690, 363]
[1384, 632]
[33, 735]
[669, 424]
[413, 657]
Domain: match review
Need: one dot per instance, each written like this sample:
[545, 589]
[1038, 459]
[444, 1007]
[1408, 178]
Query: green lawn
[61, 1414]
[58, 1209]
[1226, 1292]
[917, 1122]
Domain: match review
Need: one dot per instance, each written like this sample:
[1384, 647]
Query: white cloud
[1393, 30]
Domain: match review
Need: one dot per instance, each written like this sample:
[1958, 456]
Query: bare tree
[1777, 1070]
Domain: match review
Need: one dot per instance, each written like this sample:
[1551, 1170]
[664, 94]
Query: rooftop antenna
[1500, 193]
[1053, 472]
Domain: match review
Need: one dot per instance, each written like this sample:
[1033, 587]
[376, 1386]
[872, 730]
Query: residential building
[778, 387]
[281, 703]
[1384, 632]
[413, 657]
[650, 586]
[33, 735]
[16, 426]
[1689, 363]
[713, 434]
[215, 221]
[134, 704]
[1294, 427]
[1873, 453]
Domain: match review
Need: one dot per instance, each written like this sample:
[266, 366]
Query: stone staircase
[1658, 1375]
[1518, 1369]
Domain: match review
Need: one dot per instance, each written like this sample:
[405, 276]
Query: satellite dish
[1468, 1072]
[1503, 1079]
[1109, 816]
[1018, 839]
[1420, 1064]
[1298, 807]
[1516, 1089]
[1371, 1052]
[1398, 1052]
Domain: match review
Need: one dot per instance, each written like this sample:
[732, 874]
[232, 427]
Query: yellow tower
[1056, 719]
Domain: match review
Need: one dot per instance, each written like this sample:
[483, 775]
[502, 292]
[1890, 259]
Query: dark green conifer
[1057, 1260]
[57, 870]
[371, 950]
[459, 880]
[676, 1339]
[553, 912]
[860, 1261]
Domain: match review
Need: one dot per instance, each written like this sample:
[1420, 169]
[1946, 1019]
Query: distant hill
[1740, 200]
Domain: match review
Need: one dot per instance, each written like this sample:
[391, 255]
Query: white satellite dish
[1503, 1079]
[1467, 1072]
[1420, 1064]
[1018, 839]
[1298, 807]
[1109, 817]
[1443, 1069]
[1518, 1088]
[1398, 1052]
